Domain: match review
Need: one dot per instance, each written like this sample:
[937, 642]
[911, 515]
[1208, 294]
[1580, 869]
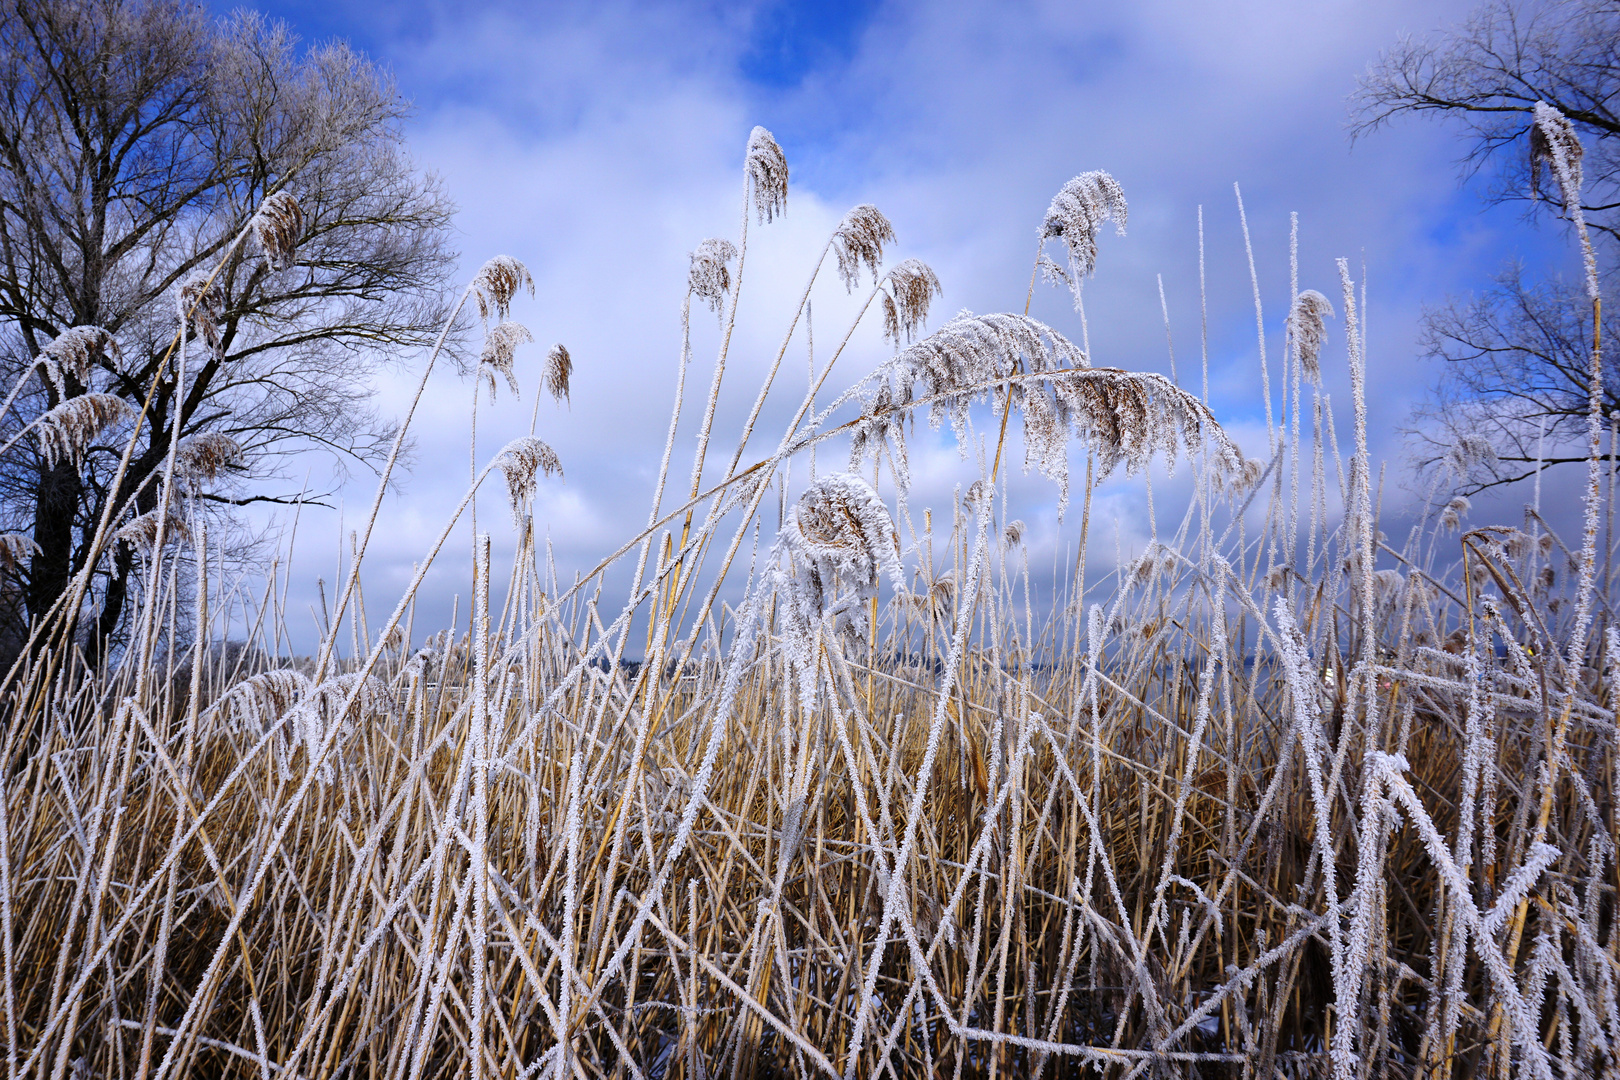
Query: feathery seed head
[1077, 213]
[1013, 535]
[1306, 323]
[277, 225]
[1124, 416]
[14, 547]
[496, 282]
[1553, 141]
[201, 457]
[500, 348]
[767, 174]
[1387, 585]
[709, 276]
[519, 461]
[1241, 481]
[859, 239]
[202, 304]
[559, 367]
[66, 431]
[911, 288]
[1469, 451]
[839, 531]
[73, 353]
[141, 532]
[254, 704]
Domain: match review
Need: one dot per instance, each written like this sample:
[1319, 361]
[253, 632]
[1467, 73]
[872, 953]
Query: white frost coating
[839, 532]
[73, 354]
[519, 461]
[67, 431]
[708, 277]
[1077, 214]
[1018, 362]
[323, 708]
[1309, 330]
[767, 170]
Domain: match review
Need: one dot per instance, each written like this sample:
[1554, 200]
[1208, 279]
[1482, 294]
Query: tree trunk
[60, 489]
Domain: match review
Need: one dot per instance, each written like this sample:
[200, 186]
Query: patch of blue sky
[791, 39]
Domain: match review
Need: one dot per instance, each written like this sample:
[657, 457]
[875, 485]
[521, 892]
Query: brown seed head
[278, 226]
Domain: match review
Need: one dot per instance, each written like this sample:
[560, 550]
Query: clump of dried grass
[1235, 812]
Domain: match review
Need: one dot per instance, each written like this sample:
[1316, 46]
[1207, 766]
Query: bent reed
[1280, 796]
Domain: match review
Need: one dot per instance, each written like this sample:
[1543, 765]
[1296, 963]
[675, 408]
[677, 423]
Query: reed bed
[1280, 796]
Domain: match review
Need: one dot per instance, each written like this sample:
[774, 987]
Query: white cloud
[600, 145]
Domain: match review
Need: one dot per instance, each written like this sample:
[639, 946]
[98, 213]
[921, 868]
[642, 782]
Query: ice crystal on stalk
[66, 431]
[1306, 323]
[1553, 142]
[496, 282]
[767, 174]
[73, 353]
[839, 533]
[500, 349]
[859, 238]
[1077, 213]
[709, 276]
[278, 225]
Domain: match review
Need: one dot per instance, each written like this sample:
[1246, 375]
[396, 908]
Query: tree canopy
[137, 139]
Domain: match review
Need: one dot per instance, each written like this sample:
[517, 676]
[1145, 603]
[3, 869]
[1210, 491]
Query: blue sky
[599, 143]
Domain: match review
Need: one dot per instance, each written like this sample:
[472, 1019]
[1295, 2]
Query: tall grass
[1278, 796]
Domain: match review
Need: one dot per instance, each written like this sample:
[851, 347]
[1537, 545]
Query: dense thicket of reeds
[1281, 795]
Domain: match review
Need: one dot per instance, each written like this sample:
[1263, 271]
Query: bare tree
[137, 139]
[1517, 357]
[1515, 369]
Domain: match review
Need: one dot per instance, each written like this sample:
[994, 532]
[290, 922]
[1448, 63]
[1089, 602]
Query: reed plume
[767, 171]
[73, 353]
[910, 289]
[66, 431]
[519, 461]
[202, 457]
[1306, 324]
[1452, 515]
[839, 533]
[278, 225]
[499, 352]
[496, 283]
[858, 239]
[141, 532]
[1554, 144]
[559, 368]
[14, 548]
[709, 275]
[1077, 214]
[202, 304]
